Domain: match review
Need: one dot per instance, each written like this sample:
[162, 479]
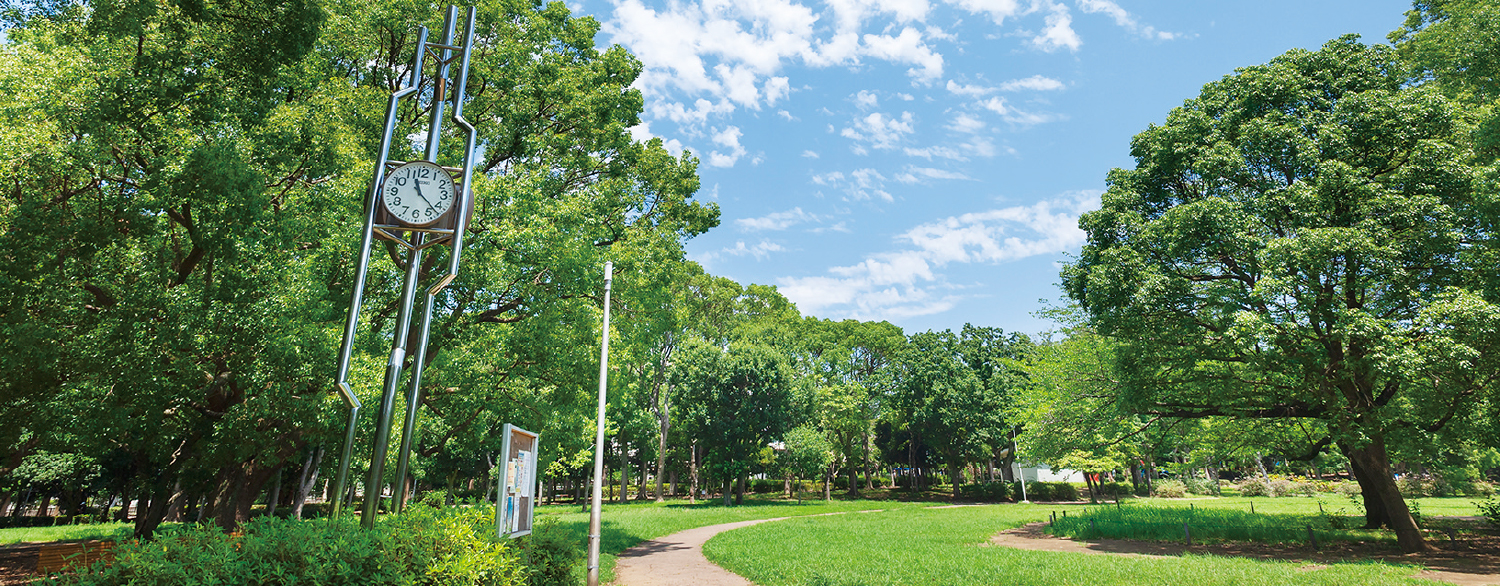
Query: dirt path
[1465, 568]
[677, 559]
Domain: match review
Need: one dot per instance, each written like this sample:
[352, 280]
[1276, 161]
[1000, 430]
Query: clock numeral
[400, 180]
[426, 172]
[395, 201]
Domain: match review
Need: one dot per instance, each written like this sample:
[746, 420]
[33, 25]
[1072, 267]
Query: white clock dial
[418, 193]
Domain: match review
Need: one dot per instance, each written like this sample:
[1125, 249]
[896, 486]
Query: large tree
[184, 185]
[1303, 240]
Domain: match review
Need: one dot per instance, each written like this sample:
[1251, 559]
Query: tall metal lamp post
[593, 579]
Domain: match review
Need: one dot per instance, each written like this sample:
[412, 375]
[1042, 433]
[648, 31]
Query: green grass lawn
[63, 532]
[623, 526]
[942, 546]
[1210, 524]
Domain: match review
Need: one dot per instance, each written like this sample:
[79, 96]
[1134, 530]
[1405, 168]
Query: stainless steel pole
[362, 268]
[413, 398]
[593, 579]
[388, 394]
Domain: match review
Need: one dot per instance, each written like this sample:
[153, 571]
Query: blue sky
[925, 161]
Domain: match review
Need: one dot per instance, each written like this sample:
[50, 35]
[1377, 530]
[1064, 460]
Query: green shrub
[422, 546]
[1490, 508]
[1201, 486]
[985, 491]
[1254, 487]
[551, 554]
[1039, 491]
[1349, 490]
[1412, 486]
[767, 485]
[1064, 491]
[1115, 489]
[1169, 489]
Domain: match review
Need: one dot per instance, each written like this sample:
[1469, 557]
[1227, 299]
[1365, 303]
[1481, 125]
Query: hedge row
[438, 547]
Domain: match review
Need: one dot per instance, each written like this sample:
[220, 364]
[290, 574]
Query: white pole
[593, 579]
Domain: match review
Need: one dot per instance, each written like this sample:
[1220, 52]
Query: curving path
[677, 559]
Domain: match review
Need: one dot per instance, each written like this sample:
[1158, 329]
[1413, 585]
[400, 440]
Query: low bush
[551, 555]
[1201, 486]
[1064, 491]
[1490, 508]
[422, 546]
[1170, 489]
[985, 491]
[1115, 490]
[1254, 487]
[1280, 487]
[1349, 490]
[767, 485]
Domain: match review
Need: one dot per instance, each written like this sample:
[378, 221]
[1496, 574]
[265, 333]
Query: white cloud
[775, 89]
[1059, 31]
[1124, 19]
[968, 90]
[940, 152]
[909, 281]
[858, 185]
[760, 250]
[917, 174]
[880, 130]
[1035, 82]
[1011, 115]
[785, 114]
[810, 154]
[776, 220]
[998, 10]
[728, 138]
[907, 47]
[866, 100]
[966, 124]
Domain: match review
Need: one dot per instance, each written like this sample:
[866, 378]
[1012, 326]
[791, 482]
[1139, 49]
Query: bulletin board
[516, 498]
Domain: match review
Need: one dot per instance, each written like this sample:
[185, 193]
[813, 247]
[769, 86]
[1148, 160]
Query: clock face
[418, 193]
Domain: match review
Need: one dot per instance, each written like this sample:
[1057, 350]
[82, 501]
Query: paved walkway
[677, 559]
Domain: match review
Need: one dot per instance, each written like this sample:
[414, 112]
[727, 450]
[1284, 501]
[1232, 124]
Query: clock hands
[417, 184]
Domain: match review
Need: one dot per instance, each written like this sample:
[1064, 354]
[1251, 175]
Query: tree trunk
[728, 490]
[828, 483]
[1374, 462]
[739, 495]
[955, 476]
[271, 499]
[853, 480]
[865, 461]
[309, 479]
[672, 486]
[693, 474]
[661, 455]
[640, 479]
[624, 472]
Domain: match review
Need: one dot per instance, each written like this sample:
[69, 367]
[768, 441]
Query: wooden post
[1188, 533]
[1312, 537]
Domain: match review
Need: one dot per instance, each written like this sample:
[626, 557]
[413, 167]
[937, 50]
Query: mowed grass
[64, 533]
[1209, 524]
[623, 526]
[919, 546]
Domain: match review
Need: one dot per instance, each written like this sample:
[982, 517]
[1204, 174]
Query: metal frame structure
[376, 225]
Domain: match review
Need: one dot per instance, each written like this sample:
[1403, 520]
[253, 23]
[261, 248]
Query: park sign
[515, 494]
